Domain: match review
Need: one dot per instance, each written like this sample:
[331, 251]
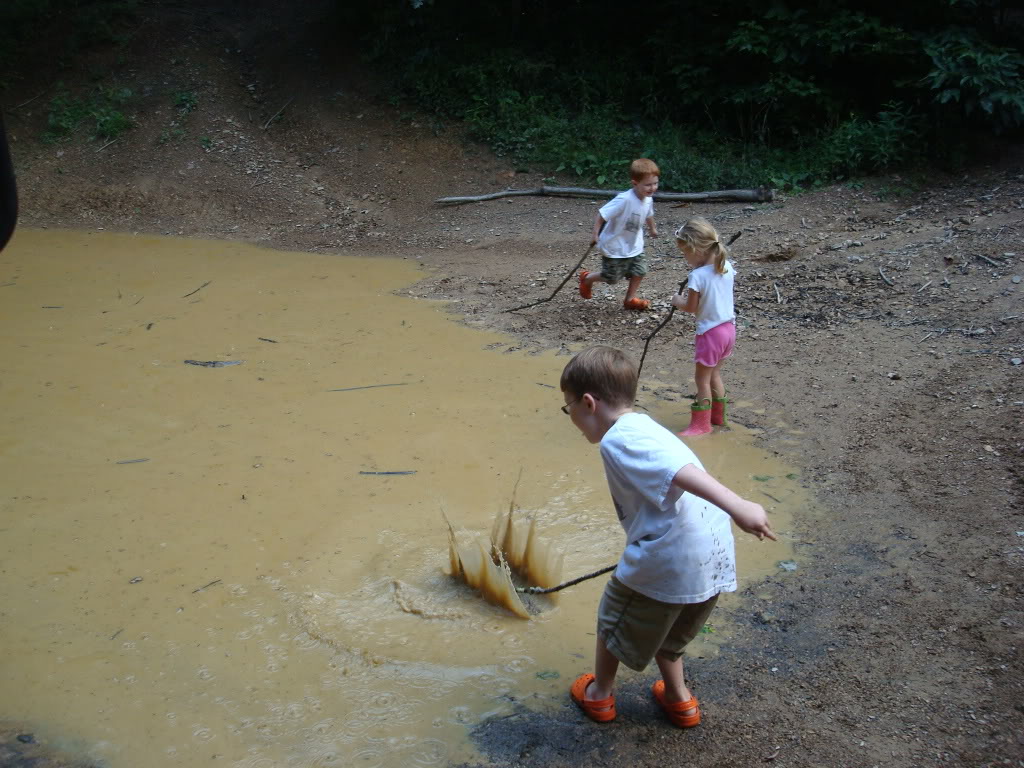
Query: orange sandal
[636, 304]
[675, 709]
[586, 291]
[599, 710]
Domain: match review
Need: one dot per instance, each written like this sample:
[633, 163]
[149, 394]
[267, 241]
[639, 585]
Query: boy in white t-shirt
[619, 235]
[679, 552]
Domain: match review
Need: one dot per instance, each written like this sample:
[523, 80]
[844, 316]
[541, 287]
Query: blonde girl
[709, 298]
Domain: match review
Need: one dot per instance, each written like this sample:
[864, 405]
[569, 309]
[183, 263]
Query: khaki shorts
[635, 628]
[613, 270]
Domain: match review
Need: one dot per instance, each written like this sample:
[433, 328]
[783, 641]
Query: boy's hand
[750, 517]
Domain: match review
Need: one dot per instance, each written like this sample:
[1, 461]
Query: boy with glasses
[679, 553]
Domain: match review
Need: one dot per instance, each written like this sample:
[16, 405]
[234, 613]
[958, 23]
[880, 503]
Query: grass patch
[100, 112]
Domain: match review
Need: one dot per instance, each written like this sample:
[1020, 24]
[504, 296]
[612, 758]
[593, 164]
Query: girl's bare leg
[703, 376]
[717, 387]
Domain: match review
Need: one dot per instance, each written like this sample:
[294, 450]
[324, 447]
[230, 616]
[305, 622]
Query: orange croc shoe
[599, 710]
[675, 709]
[638, 305]
[585, 290]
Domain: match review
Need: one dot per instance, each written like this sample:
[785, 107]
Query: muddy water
[214, 562]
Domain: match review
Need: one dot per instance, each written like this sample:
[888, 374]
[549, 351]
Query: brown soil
[885, 328]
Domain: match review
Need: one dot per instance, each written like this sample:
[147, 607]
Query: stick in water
[549, 590]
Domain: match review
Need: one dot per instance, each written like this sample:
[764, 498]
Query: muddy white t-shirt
[715, 305]
[623, 233]
[679, 548]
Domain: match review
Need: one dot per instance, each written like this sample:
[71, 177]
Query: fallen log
[759, 195]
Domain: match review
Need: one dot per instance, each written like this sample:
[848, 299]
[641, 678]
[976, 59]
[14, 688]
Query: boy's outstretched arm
[748, 515]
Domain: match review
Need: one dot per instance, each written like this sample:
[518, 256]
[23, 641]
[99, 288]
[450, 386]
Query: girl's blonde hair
[699, 234]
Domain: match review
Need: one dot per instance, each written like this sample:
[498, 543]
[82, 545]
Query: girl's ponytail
[719, 254]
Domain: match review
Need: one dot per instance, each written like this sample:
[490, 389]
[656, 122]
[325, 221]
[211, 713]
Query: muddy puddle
[243, 563]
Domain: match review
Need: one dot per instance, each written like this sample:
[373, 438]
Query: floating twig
[117, 633]
[368, 386]
[197, 290]
[560, 285]
[214, 363]
[200, 589]
[51, 306]
[274, 116]
[391, 472]
[886, 279]
[263, 339]
[131, 461]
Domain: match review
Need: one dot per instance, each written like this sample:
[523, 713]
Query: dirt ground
[880, 321]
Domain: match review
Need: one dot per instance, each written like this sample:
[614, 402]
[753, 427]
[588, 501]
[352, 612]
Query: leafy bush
[982, 78]
[100, 109]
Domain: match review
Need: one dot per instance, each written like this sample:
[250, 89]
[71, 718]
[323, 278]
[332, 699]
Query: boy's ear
[589, 401]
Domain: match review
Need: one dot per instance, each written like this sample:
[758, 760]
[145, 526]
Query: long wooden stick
[549, 590]
[560, 286]
[759, 195]
[661, 325]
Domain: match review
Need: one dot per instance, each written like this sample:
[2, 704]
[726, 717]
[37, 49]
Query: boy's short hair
[607, 373]
[643, 167]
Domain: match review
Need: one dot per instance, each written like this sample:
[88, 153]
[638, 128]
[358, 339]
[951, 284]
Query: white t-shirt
[679, 548]
[715, 305]
[623, 233]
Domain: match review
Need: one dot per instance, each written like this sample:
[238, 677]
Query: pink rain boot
[718, 411]
[700, 420]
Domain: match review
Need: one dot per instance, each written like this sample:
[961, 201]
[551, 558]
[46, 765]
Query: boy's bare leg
[593, 277]
[605, 667]
[675, 686]
[633, 287]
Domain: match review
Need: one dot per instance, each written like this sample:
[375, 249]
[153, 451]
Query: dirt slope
[882, 321]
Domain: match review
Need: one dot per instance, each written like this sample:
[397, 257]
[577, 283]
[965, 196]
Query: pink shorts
[712, 347]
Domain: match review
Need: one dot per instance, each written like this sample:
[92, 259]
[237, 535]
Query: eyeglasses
[565, 408]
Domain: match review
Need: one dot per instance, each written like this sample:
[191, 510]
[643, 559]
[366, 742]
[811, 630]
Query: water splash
[512, 556]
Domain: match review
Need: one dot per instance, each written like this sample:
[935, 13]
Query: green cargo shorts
[613, 270]
[635, 627]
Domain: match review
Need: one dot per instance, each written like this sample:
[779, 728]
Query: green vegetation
[100, 111]
[774, 93]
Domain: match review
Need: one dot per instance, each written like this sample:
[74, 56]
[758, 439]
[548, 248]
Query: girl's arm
[688, 301]
[748, 515]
